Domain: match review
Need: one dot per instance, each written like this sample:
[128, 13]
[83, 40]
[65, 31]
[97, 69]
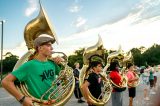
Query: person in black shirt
[93, 83]
[77, 91]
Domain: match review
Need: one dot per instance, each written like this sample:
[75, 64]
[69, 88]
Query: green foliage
[152, 55]
[149, 57]
[9, 62]
[77, 57]
[137, 56]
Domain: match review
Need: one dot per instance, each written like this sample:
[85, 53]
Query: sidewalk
[7, 100]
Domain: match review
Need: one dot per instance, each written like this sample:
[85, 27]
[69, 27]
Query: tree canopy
[141, 56]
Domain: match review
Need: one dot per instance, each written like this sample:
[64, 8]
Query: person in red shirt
[117, 94]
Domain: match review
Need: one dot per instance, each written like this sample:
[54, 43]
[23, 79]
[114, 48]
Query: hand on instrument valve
[28, 101]
[89, 102]
[49, 102]
[57, 60]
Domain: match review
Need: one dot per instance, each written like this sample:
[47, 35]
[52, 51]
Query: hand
[28, 101]
[57, 60]
[49, 102]
[136, 79]
[89, 102]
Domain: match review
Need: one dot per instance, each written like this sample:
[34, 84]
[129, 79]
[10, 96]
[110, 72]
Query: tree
[76, 57]
[152, 55]
[137, 57]
[9, 62]
[143, 56]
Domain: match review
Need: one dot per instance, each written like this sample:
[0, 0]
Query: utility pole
[2, 22]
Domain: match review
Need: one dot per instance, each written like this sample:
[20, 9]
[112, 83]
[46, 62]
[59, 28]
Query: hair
[95, 63]
[75, 63]
[129, 65]
[141, 70]
[113, 65]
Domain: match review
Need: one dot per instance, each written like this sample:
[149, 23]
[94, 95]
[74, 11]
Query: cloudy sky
[129, 23]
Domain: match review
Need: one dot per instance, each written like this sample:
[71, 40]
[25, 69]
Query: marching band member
[37, 73]
[93, 83]
[131, 79]
[117, 95]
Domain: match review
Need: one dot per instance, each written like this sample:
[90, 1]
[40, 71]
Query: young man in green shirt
[37, 73]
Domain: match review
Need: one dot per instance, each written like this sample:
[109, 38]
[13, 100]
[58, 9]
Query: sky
[129, 23]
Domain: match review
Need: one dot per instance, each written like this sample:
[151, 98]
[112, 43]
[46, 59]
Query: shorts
[155, 79]
[132, 92]
[151, 82]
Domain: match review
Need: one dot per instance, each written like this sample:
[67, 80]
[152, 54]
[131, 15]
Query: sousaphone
[65, 82]
[96, 51]
[117, 56]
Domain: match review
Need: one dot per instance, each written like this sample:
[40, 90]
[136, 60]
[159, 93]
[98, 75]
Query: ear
[93, 68]
[39, 48]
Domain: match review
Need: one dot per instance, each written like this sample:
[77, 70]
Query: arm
[133, 79]
[77, 78]
[8, 84]
[130, 78]
[85, 91]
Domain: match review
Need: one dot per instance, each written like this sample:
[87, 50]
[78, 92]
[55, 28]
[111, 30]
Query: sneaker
[153, 92]
[146, 98]
[81, 101]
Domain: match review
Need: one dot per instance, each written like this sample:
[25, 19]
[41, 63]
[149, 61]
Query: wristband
[22, 99]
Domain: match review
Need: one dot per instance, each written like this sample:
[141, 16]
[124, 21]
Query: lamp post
[2, 22]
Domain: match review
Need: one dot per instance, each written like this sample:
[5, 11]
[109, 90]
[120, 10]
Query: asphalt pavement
[7, 100]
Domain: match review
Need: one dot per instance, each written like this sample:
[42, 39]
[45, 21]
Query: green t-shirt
[37, 75]
[151, 77]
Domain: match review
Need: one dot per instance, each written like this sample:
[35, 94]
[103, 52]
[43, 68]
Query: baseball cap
[44, 38]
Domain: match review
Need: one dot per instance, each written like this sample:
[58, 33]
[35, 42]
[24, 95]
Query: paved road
[7, 100]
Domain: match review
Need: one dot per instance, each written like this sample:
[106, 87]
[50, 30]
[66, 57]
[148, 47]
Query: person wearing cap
[37, 73]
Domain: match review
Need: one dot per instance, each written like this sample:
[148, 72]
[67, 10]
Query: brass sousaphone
[65, 82]
[89, 53]
[117, 56]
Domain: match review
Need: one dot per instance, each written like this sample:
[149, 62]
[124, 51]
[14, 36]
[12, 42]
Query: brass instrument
[40, 25]
[118, 56]
[135, 83]
[89, 54]
[65, 82]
